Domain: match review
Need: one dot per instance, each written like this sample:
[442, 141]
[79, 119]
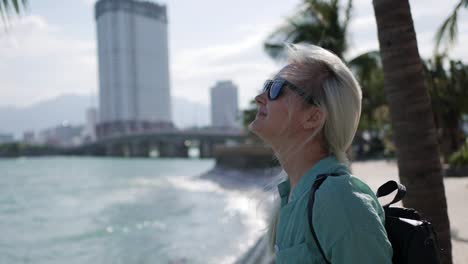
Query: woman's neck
[298, 163]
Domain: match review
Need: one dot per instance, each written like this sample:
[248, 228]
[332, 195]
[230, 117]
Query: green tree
[7, 6]
[375, 118]
[449, 100]
[320, 22]
[367, 68]
[325, 23]
[412, 118]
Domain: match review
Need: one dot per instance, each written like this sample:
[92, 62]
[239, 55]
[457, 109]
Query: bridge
[162, 143]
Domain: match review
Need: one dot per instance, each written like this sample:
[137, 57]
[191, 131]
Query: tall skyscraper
[224, 105]
[134, 92]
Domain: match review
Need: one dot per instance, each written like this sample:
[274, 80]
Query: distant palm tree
[367, 67]
[447, 87]
[448, 31]
[412, 119]
[6, 7]
[319, 22]
[325, 23]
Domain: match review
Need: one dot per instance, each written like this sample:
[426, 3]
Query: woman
[308, 113]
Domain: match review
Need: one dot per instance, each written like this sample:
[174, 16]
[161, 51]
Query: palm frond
[304, 26]
[364, 64]
[347, 18]
[7, 6]
[16, 6]
[448, 31]
[314, 21]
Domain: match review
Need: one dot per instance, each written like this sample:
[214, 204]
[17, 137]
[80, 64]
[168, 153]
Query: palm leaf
[347, 17]
[16, 6]
[448, 31]
[6, 7]
[314, 21]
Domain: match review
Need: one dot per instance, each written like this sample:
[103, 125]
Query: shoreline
[242, 179]
[257, 184]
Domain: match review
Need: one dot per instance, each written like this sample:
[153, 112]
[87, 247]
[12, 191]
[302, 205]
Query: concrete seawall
[244, 157]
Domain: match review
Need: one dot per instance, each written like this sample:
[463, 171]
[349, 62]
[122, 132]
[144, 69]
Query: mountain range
[72, 108]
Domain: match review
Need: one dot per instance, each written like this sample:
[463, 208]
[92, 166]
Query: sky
[50, 50]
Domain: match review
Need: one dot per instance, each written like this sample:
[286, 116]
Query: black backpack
[412, 237]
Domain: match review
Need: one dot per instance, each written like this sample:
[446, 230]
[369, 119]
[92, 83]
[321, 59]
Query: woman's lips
[261, 113]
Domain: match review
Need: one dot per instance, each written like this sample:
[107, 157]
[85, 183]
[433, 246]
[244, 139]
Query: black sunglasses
[274, 87]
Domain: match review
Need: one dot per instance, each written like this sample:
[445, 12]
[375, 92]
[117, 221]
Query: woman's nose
[261, 99]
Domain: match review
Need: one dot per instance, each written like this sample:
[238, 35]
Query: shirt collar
[284, 188]
[328, 164]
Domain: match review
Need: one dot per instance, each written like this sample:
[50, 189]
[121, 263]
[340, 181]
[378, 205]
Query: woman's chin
[256, 128]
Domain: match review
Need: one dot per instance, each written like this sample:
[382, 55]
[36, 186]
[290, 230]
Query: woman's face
[275, 118]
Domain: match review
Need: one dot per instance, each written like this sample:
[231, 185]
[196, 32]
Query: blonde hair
[326, 79]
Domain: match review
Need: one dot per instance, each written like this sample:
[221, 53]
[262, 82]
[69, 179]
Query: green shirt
[348, 220]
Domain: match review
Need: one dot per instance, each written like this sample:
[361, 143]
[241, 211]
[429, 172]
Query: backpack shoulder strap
[310, 206]
[389, 187]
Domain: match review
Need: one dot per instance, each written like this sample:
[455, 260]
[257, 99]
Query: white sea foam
[251, 206]
[147, 182]
[195, 184]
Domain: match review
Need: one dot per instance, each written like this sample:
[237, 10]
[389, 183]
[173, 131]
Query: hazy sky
[51, 50]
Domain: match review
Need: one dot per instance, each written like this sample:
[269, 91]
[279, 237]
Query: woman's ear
[313, 118]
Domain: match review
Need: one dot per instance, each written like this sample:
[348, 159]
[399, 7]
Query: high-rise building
[134, 92]
[224, 105]
[89, 133]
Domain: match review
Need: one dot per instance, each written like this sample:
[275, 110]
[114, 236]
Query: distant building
[224, 105]
[134, 92]
[29, 137]
[6, 138]
[89, 132]
[64, 135]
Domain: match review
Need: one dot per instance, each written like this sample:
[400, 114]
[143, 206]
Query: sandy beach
[374, 173]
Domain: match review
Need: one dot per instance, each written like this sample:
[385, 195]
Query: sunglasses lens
[275, 90]
[267, 85]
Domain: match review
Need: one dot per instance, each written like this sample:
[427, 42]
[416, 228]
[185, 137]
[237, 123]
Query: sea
[121, 210]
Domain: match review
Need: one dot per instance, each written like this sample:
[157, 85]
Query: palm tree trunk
[412, 119]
